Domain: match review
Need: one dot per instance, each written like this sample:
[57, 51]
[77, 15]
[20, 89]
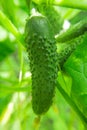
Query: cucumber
[65, 53]
[42, 50]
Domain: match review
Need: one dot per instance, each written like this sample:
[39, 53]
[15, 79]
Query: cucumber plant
[44, 60]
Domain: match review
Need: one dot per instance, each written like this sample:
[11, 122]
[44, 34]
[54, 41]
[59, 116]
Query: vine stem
[71, 103]
[66, 3]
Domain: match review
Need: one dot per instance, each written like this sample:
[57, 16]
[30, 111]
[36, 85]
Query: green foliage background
[15, 77]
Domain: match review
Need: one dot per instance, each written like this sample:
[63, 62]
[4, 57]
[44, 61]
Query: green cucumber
[41, 47]
[65, 53]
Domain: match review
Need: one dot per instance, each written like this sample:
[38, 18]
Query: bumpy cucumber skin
[53, 16]
[42, 52]
[68, 50]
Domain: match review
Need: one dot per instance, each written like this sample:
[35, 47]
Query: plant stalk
[65, 3]
[75, 31]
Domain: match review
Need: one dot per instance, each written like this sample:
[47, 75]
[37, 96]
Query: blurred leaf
[6, 48]
[4, 102]
[65, 3]
[81, 15]
[76, 66]
[9, 9]
[69, 13]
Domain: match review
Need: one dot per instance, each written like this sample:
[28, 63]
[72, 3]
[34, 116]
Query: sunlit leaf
[76, 66]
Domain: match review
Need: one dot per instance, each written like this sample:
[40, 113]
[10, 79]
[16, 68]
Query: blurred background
[15, 103]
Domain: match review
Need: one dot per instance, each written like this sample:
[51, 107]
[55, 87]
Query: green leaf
[76, 30]
[4, 102]
[76, 66]
[6, 48]
[81, 15]
[9, 9]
